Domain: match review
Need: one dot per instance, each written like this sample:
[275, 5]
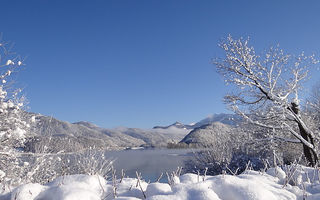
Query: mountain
[228, 119]
[207, 134]
[53, 135]
[176, 124]
[155, 137]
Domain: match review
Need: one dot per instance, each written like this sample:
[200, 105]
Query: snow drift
[291, 182]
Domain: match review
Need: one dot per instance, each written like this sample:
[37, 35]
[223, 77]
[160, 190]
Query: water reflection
[149, 162]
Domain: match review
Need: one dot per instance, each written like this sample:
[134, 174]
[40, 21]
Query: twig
[169, 179]
[198, 176]
[178, 172]
[122, 175]
[230, 170]
[138, 177]
[114, 183]
[247, 165]
[100, 184]
[159, 177]
[205, 174]
[289, 177]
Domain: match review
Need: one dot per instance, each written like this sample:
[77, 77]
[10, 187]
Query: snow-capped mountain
[176, 124]
[207, 134]
[55, 134]
[228, 119]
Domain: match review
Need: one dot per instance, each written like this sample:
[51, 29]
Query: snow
[158, 189]
[2, 173]
[251, 185]
[19, 133]
[10, 62]
[33, 119]
[27, 191]
[277, 172]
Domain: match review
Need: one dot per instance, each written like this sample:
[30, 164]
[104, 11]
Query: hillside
[57, 135]
[54, 135]
[207, 134]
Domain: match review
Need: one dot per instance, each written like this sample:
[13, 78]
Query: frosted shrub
[13, 122]
[44, 167]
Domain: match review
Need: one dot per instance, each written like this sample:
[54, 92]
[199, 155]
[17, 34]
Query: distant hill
[228, 119]
[54, 135]
[207, 134]
[57, 135]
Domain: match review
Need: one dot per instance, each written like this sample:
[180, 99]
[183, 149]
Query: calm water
[150, 162]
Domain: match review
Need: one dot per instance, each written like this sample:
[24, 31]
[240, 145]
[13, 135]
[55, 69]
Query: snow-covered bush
[44, 167]
[232, 150]
[13, 122]
[234, 163]
[19, 165]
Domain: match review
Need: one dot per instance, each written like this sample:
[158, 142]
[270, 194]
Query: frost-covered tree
[266, 90]
[13, 124]
[17, 163]
[312, 109]
[313, 105]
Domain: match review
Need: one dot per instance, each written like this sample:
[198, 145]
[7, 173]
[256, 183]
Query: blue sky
[141, 63]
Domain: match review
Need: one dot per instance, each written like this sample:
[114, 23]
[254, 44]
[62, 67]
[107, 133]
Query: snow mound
[81, 187]
[27, 191]
[286, 183]
[277, 172]
[250, 186]
[158, 189]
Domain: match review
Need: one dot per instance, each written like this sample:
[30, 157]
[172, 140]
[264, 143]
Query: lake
[149, 162]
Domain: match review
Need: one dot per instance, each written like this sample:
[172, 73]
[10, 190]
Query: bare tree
[266, 90]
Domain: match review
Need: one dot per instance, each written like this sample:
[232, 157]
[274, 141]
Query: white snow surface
[250, 185]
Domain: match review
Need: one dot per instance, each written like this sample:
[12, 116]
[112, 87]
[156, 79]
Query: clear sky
[141, 63]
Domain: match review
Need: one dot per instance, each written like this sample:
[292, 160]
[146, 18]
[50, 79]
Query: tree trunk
[310, 154]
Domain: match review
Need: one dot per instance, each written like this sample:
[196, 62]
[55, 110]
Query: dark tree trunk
[309, 153]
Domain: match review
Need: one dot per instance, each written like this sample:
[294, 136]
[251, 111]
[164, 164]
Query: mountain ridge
[84, 134]
[229, 119]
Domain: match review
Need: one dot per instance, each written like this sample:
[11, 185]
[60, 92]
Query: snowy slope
[207, 134]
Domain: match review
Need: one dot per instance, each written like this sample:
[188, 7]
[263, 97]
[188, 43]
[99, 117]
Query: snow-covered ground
[291, 182]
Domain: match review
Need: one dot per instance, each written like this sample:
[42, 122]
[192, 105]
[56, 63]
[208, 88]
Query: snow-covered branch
[268, 84]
